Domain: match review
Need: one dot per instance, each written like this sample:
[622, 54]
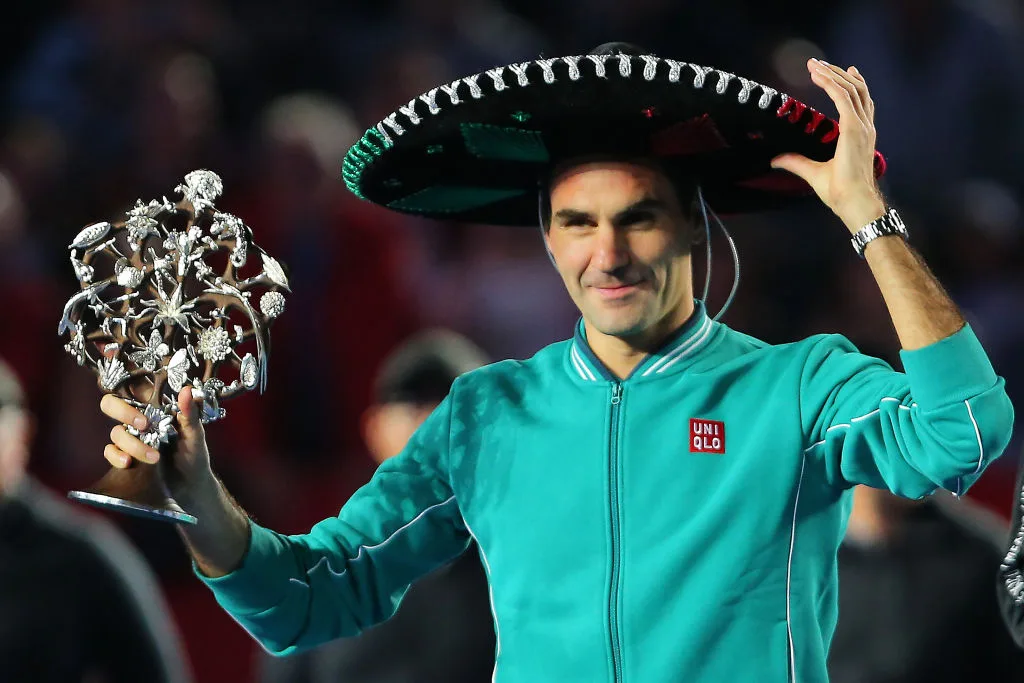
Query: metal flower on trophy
[177, 293]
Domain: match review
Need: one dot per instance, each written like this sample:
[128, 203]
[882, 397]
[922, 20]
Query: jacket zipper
[613, 477]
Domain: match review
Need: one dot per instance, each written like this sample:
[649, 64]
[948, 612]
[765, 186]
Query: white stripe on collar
[683, 350]
[580, 364]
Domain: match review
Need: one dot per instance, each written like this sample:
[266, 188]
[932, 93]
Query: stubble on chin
[618, 321]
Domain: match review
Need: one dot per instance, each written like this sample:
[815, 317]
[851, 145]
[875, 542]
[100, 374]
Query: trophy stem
[138, 490]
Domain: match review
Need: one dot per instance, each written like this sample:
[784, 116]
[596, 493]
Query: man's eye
[638, 218]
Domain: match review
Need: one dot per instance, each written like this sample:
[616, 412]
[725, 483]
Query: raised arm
[921, 311]
[948, 416]
[219, 541]
[937, 425]
[350, 571]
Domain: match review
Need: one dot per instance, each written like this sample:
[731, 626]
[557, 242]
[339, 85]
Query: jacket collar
[675, 354]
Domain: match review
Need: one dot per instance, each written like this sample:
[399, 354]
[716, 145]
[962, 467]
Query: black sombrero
[479, 148]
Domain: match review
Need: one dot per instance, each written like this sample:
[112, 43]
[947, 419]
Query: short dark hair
[422, 369]
[685, 186]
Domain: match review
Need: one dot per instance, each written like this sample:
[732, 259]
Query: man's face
[15, 435]
[388, 427]
[621, 243]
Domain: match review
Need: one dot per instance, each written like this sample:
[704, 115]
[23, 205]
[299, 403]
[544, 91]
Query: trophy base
[136, 491]
[174, 515]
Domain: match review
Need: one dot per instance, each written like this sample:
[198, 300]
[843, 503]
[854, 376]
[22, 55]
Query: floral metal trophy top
[176, 294]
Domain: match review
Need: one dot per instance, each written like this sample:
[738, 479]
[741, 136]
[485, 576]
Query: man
[77, 602]
[1010, 585]
[897, 558]
[442, 631]
[660, 497]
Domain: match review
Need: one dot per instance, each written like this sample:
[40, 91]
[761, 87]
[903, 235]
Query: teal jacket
[679, 525]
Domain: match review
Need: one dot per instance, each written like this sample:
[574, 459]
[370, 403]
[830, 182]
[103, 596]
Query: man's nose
[610, 249]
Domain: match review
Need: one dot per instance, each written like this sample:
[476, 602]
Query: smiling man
[620, 239]
[659, 498]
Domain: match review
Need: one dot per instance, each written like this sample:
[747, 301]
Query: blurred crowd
[109, 101]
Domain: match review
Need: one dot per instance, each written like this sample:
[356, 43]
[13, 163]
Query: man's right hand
[191, 458]
[219, 539]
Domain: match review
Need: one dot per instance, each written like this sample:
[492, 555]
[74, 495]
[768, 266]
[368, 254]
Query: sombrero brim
[479, 148]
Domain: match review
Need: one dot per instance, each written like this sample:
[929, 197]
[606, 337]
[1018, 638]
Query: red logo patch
[707, 436]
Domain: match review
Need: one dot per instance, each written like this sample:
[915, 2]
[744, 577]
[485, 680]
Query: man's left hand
[845, 183]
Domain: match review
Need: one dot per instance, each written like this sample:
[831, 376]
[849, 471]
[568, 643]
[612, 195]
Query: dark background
[106, 101]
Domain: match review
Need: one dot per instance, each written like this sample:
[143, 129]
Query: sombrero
[479, 148]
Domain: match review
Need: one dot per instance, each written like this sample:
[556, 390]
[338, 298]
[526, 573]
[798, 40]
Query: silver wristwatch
[889, 224]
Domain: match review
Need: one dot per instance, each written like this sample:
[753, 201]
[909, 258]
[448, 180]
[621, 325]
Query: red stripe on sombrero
[792, 106]
[880, 164]
[832, 134]
[783, 182]
[816, 118]
[696, 136]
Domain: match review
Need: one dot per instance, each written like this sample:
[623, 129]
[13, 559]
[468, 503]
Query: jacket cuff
[261, 581]
[951, 370]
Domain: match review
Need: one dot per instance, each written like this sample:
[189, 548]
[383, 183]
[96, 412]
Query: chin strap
[706, 211]
[540, 222]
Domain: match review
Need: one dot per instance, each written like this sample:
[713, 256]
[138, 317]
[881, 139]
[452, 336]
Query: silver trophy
[176, 294]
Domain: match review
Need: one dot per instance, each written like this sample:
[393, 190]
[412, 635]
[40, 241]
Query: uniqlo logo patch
[707, 436]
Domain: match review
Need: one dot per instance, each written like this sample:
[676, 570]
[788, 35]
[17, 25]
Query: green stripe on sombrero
[506, 144]
[451, 198]
[363, 153]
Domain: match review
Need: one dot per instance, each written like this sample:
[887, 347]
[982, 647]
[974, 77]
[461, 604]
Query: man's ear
[371, 424]
[695, 219]
[17, 429]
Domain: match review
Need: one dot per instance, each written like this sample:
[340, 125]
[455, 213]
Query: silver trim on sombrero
[598, 61]
[520, 71]
[625, 65]
[548, 69]
[574, 67]
[474, 88]
[430, 99]
[724, 78]
[650, 67]
[675, 69]
[410, 111]
[700, 73]
[748, 87]
[383, 135]
[498, 78]
[451, 90]
[766, 97]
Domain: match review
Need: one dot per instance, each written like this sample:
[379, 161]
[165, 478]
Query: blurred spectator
[109, 100]
[30, 296]
[342, 257]
[985, 250]
[77, 602]
[443, 630]
[719, 34]
[505, 291]
[951, 83]
[915, 602]
[466, 35]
